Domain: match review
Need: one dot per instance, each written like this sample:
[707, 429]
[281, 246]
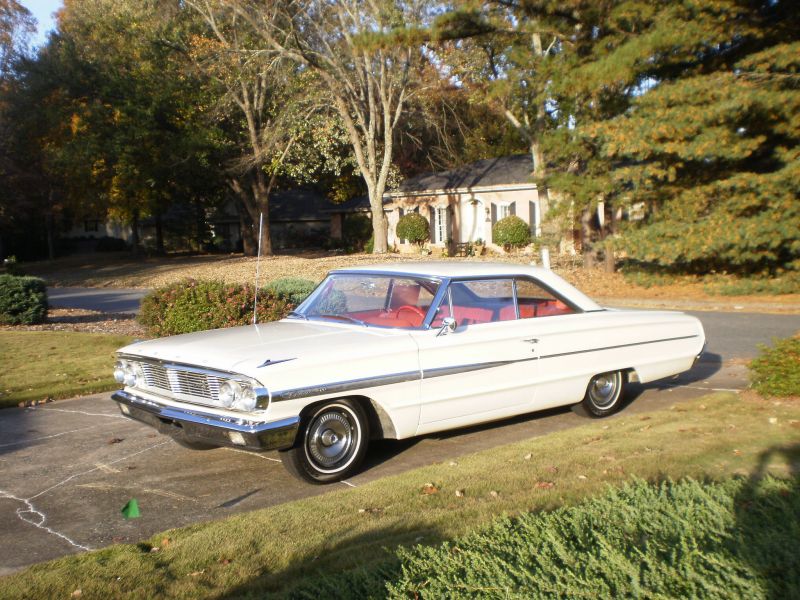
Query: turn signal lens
[119, 372]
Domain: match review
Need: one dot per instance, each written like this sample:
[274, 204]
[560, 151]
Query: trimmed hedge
[413, 227]
[191, 305]
[511, 231]
[23, 300]
[776, 371]
[293, 289]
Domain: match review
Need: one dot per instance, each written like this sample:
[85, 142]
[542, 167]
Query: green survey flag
[131, 509]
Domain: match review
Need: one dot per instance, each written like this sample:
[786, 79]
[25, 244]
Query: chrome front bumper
[199, 426]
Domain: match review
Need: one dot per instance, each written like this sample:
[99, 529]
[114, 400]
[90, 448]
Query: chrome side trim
[381, 380]
[455, 370]
[674, 339]
[345, 386]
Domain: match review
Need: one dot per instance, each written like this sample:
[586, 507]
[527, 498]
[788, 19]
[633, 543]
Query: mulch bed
[88, 321]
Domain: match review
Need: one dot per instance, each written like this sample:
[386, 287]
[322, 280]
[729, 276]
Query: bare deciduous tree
[367, 76]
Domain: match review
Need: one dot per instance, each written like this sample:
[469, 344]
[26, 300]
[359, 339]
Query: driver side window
[477, 302]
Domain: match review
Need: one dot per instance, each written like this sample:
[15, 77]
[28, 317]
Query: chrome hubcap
[605, 389]
[331, 439]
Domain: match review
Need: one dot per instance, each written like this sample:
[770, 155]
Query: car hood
[248, 350]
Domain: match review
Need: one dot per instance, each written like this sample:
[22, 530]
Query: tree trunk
[261, 196]
[380, 226]
[135, 233]
[51, 252]
[587, 238]
[252, 203]
[200, 225]
[249, 243]
[50, 227]
[159, 232]
[609, 263]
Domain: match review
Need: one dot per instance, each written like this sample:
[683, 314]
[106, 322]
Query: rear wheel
[331, 445]
[604, 394]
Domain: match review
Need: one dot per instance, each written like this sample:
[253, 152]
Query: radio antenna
[258, 264]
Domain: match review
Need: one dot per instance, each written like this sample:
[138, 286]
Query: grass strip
[55, 364]
[355, 533]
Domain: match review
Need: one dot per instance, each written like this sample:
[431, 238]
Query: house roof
[298, 205]
[357, 204]
[506, 170]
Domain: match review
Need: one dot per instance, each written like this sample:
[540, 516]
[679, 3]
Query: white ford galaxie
[394, 351]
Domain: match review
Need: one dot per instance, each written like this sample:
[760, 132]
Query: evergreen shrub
[414, 228]
[356, 231]
[293, 289]
[23, 300]
[776, 372]
[691, 539]
[511, 231]
[191, 305]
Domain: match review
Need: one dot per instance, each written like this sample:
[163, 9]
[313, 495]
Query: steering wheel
[412, 309]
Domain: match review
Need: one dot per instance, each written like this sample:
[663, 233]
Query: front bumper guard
[198, 426]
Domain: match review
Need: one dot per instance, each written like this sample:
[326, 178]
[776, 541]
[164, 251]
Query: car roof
[462, 269]
[449, 268]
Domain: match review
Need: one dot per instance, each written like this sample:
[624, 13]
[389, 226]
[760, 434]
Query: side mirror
[448, 326]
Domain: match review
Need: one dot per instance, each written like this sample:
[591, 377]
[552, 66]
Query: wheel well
[380, 424]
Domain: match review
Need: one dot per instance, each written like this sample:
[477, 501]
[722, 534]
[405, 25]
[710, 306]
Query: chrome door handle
[532, 340]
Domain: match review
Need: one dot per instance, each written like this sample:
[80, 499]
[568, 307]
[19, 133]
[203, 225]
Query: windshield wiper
[294, 313]
[344, 317]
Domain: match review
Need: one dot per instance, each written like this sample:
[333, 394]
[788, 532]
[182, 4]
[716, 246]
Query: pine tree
[707, 133]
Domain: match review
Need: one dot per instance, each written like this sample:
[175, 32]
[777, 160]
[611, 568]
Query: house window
[440, 229]
[91, 225]
[503, 211]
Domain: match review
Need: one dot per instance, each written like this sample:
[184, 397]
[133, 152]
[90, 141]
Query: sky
[43, 11]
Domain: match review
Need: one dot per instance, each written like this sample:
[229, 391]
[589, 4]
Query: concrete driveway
[67, 468]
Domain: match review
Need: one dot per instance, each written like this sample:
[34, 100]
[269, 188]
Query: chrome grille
[155, 376]
[191, 385]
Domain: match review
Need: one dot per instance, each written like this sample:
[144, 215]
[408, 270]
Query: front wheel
[331, 445]
[604, 394]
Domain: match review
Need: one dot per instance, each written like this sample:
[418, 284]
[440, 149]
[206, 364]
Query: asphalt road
[113, 300]
[67, 468]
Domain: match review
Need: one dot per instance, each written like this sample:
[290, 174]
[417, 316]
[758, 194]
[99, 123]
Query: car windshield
[371, 300]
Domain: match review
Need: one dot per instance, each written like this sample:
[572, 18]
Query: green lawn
[56, 364]
[348, 541]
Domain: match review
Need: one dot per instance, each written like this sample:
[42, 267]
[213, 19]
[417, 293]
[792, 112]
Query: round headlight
[119, 372]
[246, 399]
[132, 374]
[228, 393]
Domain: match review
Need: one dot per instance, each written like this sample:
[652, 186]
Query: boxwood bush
[511, 231]
[192, 305]
[293, 289]
[23, 300]
[413, 227]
